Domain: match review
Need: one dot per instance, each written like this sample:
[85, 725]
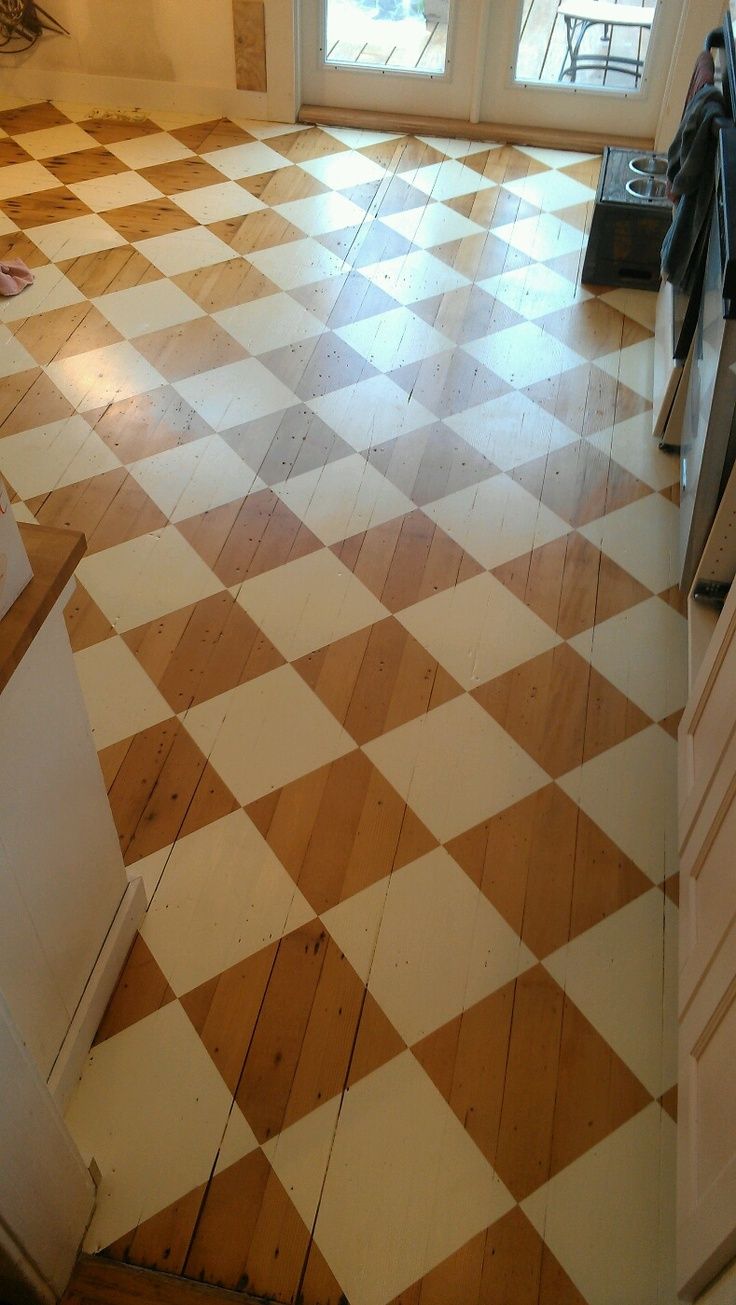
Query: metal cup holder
[648, 165]
[646, 188]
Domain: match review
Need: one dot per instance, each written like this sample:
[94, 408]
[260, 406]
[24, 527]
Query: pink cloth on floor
[14, 277]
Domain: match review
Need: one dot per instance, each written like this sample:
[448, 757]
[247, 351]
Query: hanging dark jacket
[691, 176]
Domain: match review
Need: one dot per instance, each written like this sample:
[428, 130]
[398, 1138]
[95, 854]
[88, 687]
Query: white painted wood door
[707, 1040]
[480, 81]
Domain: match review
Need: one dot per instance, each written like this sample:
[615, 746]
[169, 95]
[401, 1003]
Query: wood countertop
[54, 555]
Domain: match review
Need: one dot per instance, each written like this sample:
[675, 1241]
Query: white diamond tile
[249, 160]
[143, 578]
[269, 323]
[115, 191]
[371, 412]
[59, 453]
[342, 499]
[541, 237]
[102, 376]
[195, 477]
[429, 908]
[242, 733]
[75, 237]
[631, 792]
[344, 170]
[119, 696]
[643, 538]
[151, 1108]
[447, 180]
[523, 355]
[65, 139]
[145, 308]
[413, 277]
[184, 251]
[478, 630]
[534, 290]
[240, 391]
[424, 1190]
[149, 151]
[319, 214]
[455, 766]
[222, 897]
[218, 203]
[300, 262]
[622, 974]
[643, 651]
[50, 290]
[631, 445]
[511, 430]
[393, 339]
[433, 224]
[550, 190]
[308, 603]
[609, 1217]
[496, 520]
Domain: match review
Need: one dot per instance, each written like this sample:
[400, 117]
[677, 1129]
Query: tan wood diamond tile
[286, 444]
[162, 1241]
[449, 383]
[182, 175]
[86, 624]
[264, 229]
[218, 134]
[109, 509]
[580, 483]
[162, 787]
[376, 679]
[202, 650]
[571, 584]
[63, 332]
[30, 399]
[319, 1282]
[592, 328]
[141, 989]
[12, 152]
[249, 1235]
[17, 245]
[283, 186]
[147, 423]
[429, 463]
[225, 1010]
[508, 1263]
[332, 859]
[301, 1032]
[318, 366]
[310, 144]
[587, 399]
[42, 207]
[190, 348]
[467, 314]
[84, 165]
[108, 129]
[32, 117]
[533, 1082]
[340, 301]
[406, 559]
[109, 270]
[225, 285]
[245, 539]
[155, 217]
[548, 869]
[669, 1102]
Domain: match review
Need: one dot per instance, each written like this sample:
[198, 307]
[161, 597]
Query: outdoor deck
[419, 46]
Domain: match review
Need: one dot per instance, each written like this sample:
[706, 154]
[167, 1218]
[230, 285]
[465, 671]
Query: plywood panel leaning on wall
[249, 26]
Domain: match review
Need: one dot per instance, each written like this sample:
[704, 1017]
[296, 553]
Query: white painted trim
[93, 1002]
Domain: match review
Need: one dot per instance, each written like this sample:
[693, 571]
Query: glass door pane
[566, 42]
[393, 35]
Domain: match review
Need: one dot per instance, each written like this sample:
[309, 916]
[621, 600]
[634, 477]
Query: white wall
[174, 55]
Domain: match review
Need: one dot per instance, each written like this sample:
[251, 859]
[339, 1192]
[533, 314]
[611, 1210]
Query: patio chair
[581, 15]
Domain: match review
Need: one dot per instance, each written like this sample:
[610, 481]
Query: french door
[523, 62]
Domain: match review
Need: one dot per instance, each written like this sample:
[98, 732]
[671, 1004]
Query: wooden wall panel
[249, 26]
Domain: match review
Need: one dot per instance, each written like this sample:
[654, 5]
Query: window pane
[402, 35]
[566, 42]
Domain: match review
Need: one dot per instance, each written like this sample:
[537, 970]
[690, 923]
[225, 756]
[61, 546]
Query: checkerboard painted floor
[383, 656]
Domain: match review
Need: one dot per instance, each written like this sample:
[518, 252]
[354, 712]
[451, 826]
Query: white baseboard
[97, 993]
[34, 83]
